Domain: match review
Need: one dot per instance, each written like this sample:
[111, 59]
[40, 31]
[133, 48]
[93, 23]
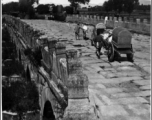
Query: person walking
[77, 30]
[99, 42]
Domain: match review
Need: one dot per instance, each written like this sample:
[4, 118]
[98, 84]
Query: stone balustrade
[135, 26]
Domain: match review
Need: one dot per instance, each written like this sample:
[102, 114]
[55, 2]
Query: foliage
[95, 8]
[120, 5]
[79, 1]
[12, 67]
[129, 5]
[20, 96]
[43, 9]
[17, 96]
[10, 7]
[75, 3]
[69, 9]
[31, 12]
[8, 47]
[27, 9]
[143, 7]
[108, 6]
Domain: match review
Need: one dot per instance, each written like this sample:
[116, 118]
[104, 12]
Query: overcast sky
[65, 2]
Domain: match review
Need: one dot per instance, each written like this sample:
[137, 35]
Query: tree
[8, 47]
[20, 96]
[69, 10]
[129, 5]
[75, 3]
[26, 8]
[120, 5]
[43, 9]
[10, 7]
[107, 6]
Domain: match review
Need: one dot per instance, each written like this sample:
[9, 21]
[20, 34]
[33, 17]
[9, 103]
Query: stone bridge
[62, 85]
[57, 62]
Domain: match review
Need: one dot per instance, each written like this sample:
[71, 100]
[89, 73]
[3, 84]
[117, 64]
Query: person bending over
[99, 42]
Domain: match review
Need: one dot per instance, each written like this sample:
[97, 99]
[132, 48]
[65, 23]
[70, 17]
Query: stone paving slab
[146, 87]
[142, 82]
[112, 111]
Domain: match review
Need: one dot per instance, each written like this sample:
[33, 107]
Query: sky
[65, 2]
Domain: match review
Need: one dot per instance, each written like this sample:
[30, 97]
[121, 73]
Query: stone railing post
[125, 19]
[110, 18]
[131, 20]
[79, 107]
[138, 21]
[98, 18]
[51, 46]
[87, 16]
[115, 19]
[61, 61]
[43, 41]
[120, 19]
[77, 82]
[95, 17]
[145, 21]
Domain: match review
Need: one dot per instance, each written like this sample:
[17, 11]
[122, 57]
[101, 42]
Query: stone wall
[60, 77]
[138, 26]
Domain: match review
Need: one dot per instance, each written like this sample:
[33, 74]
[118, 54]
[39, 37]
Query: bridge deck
[118, 90]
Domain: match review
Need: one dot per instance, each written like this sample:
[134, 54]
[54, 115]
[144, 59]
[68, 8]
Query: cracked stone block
[138, 109]
[142, 82]
[113, 110]
[146, 87]
[130, 100]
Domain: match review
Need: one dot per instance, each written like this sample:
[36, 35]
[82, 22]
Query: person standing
[77, 30]
[99, 42]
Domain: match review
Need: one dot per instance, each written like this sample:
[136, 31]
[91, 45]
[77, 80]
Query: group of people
[100, 35]
[101, 38]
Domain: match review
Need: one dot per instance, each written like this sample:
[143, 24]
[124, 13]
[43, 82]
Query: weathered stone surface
[113, 90]
[107, 100]
[71, 54]
[74, 66]
[131, 100]
[142, 82]
[100, 86]
[126, 68]
[79, 109]
[113, 110]
[129, 73]
[117, 80]
[117, 64]
[120, 95]
[77, 86]
[145, 87]
[138, 109]
[141, 93]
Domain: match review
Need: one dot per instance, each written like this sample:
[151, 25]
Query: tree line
[117, 6]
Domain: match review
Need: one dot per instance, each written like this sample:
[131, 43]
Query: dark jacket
[98, 38]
